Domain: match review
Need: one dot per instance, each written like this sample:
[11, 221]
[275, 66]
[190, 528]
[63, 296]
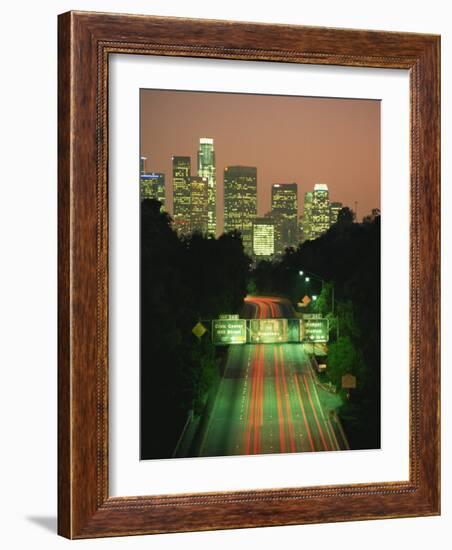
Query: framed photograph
[248, 275]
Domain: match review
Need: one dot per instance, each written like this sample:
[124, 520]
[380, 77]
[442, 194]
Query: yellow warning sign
[199, 330]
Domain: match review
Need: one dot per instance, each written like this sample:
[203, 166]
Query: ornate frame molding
[85, 42]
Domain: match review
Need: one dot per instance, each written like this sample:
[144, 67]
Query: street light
[301, 273]
[314, 297]
[308, 279]
[333, 300]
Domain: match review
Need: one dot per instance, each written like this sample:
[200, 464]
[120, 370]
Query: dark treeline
[183, 280]
[348, 257]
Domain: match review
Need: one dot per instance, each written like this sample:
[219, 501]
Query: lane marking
[286, 395]
[251, 404]
[295, 361]
[282, 445]
[258, 403]
[334, 444]
[308, 430]
[315, 414]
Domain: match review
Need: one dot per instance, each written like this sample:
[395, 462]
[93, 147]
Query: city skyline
[194, 200]
[311, 158]
[300, 322]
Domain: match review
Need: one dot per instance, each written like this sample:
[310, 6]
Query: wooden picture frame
[86, 40]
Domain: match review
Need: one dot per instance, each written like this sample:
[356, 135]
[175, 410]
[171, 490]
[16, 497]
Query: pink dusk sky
[289, 139]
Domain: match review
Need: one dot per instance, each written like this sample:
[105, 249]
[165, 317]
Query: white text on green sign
[229, 331]
[314, 330]
[268, 331]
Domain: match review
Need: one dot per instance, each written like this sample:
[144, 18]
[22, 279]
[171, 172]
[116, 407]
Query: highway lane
[268, 400]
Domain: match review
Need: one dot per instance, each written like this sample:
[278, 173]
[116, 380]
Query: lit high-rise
[285, 213]
[240, 202]
[142, 165]
[181, 193]
[206, 169]
[263, 238]
[335, 208]
[199, 212]
[306, 219]
[152, 186]
[320, 213]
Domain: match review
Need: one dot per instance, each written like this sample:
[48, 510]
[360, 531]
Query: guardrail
[184, 430]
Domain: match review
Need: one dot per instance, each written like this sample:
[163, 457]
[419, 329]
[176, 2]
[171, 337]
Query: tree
[346, 216]
[183, 280]
[344, 358]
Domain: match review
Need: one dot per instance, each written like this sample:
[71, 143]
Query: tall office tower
[285, 214]
[240, 202]
[199, 210]
[263, 238]
[142, 165]
[206, 169]
[307, 217]
[152, 186]
[320, 212]
[335, 208]
[181, 193]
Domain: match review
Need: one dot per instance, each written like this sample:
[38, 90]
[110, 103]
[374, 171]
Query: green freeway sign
[314, 330]
[268, 331]
[229, 316]
[229, 331]
[311, 315]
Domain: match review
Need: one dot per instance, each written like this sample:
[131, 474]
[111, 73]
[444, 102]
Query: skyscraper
[285, 214]
[181, 193]
[263, 237]
[335, 208]
[306, 220]
[240, 202]
[206, 169]
[152, 186]
[142, 165]
[320, 213]
[199, 211]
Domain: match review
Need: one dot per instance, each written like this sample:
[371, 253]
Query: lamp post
[307, 277]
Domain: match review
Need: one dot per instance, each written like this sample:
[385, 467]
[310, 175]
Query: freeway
[269, 400]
